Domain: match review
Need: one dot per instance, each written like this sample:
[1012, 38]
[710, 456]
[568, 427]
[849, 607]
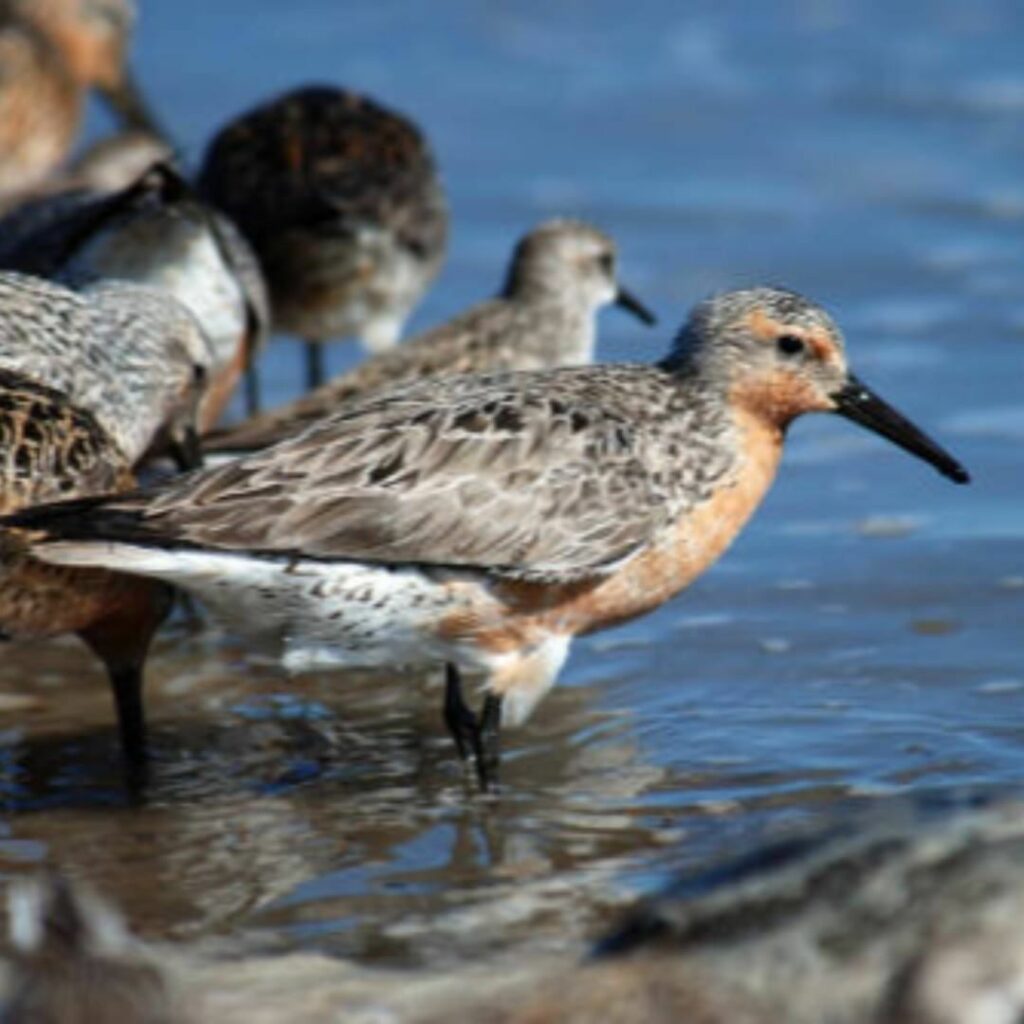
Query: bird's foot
[476, 736]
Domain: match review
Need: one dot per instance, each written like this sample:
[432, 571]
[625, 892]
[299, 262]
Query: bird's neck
[737, 435]
[772, 401]
[568, 330]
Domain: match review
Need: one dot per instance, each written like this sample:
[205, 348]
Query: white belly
[347, 614]
[321, 613]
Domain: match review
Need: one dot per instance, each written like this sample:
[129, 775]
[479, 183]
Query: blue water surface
[862, 639]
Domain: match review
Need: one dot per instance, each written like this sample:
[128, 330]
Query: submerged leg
[121, 639]
[473, 735]
[314, 365]
[460, 720]
[131, 718]
[488, 755]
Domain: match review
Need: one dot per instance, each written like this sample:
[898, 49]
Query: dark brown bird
[341, 200]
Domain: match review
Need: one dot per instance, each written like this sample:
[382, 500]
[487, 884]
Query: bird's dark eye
[606, 261]
[790, 345]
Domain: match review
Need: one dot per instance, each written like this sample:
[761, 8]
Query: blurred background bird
[159, 233]
[52, 53]
[74, 961]
[560, 275]
[341, 199]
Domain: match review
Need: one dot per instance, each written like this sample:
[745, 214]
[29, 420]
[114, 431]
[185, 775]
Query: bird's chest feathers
[682, 550]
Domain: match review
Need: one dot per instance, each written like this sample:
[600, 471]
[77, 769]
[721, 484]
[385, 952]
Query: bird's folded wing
[504, 473]
[453, 348]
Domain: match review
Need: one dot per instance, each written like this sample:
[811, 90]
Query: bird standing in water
[49, 449]
[485, 521]
[341, 200]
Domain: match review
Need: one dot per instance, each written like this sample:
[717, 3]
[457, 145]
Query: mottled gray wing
[474, 342]
[533, 475]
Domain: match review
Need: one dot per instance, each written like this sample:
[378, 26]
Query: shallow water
[863, 636]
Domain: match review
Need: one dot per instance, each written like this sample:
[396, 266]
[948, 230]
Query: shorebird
[562, 273]
[52, 52]
[155, 232]
[131, 355]
[485, 521]
[341, 201]
[51, 449]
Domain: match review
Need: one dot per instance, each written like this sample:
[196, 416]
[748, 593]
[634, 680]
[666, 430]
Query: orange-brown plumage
[516, 614]
[50, 449]
[485, 521]
[40, 106]
[51, 53]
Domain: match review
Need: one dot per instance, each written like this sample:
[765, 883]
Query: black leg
[460, 720]
[314, 365]
[252, 389]
[488, 754]
[473, 735]
[131, 720]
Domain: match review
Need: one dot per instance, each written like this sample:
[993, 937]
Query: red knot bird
[52, 52]
[50, 449]
[158, 233]
[131, 355]
[342, 203]
[562, 273]
[484, 521]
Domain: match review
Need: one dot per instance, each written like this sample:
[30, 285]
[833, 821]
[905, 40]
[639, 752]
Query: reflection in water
[332, 825]
[328, 812]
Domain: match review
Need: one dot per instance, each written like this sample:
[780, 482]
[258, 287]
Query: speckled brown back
[49, 449]
[324, 159]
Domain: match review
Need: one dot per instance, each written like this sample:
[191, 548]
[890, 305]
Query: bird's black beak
[187, 450]
[627, 300]
[857, 402]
